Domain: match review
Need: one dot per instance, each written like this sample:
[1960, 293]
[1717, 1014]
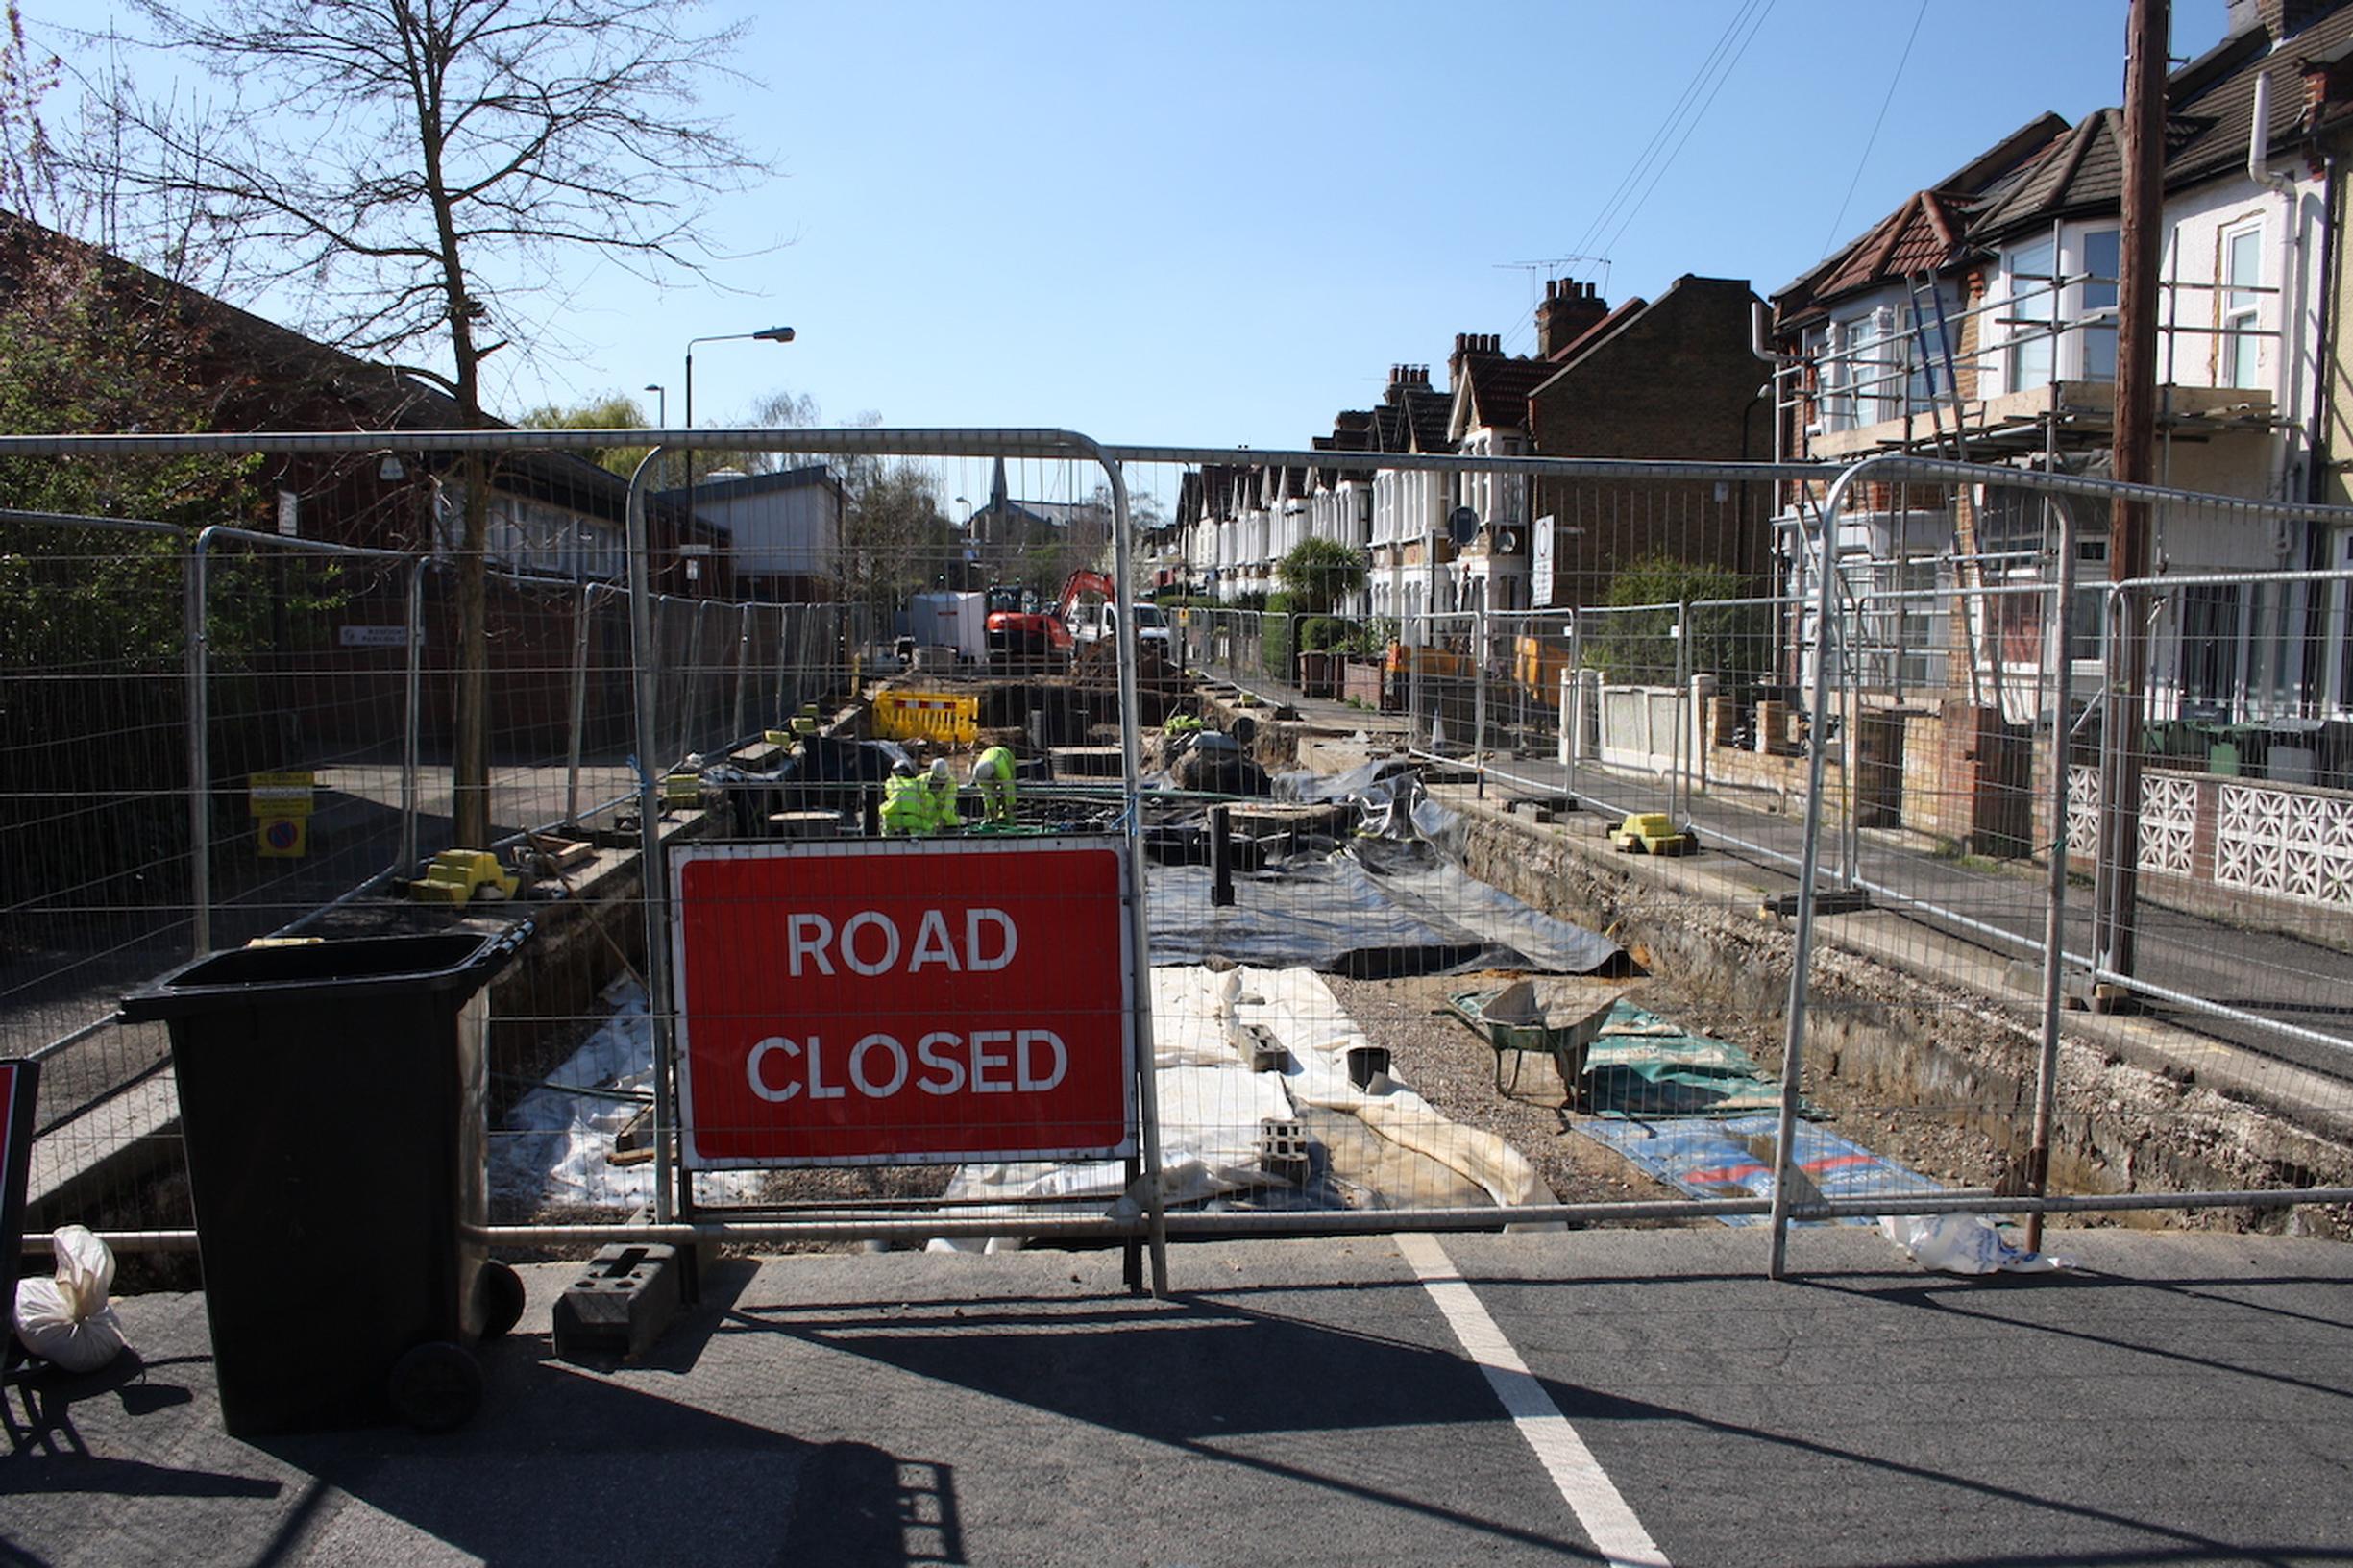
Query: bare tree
[896, 541]
[426, 170]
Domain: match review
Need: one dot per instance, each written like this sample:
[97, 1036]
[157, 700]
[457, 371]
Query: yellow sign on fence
[930, 716]
[281, 804]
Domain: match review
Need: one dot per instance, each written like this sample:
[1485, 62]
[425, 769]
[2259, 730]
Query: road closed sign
[902, 1001]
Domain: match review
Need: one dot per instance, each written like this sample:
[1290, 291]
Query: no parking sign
[903, 1002]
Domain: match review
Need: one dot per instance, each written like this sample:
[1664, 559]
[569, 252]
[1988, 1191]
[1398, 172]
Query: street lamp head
[655, 386]
[774, 334]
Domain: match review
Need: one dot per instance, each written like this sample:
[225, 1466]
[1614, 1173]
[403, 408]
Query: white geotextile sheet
[556, 1146]
[1210, 1103]
[1299, 1009]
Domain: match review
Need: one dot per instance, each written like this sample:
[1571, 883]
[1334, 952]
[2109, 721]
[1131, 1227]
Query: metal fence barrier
[1899, 730]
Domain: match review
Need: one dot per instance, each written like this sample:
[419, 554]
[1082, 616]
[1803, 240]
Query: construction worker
[941, 784]
[993, 777]
[906, 801]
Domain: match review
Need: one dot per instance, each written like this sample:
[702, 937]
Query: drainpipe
[2292, 229]
[1761, 345]
[2317, 443]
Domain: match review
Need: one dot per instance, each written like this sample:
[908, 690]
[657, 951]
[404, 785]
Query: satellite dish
[1508, 541]
[1462, 524]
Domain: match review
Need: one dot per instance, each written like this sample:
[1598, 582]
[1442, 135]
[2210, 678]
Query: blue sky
[1220, 223]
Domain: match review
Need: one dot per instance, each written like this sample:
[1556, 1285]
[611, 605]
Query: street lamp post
[661, 411]
[766, 335]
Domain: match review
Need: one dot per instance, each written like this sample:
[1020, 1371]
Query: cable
[1666, 127]
[1692, 125]
[1650, 165]
[1871, 140]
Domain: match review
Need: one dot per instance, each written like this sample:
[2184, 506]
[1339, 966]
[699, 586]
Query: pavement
[2289, 999]
[1640, 1396]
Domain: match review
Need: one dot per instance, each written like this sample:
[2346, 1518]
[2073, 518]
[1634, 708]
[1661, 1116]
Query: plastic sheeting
[1732, 1158]
[555, 1148]
[1393, 900]
[1647, 1066]
[1375, 909]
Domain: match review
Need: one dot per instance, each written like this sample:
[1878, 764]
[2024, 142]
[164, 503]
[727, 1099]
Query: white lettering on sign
[932, 945]
[869, 943]
[868, 920]
[866, 1085]
[986, 1061]
[806, 937]
[759, 1083]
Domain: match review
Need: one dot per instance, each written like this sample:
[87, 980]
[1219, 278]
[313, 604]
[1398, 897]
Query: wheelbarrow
[1515, 1021]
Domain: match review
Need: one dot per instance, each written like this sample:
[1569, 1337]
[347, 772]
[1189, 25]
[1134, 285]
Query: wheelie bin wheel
[502, 1294]
[437, 1386]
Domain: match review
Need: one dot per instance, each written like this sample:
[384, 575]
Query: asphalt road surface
[1582, 1397]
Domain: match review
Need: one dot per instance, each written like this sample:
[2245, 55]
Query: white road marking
[1584, 1485]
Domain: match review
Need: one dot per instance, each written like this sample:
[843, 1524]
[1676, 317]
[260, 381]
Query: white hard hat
[939, 767]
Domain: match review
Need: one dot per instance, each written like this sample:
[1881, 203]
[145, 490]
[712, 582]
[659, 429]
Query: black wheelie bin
[331, 1101]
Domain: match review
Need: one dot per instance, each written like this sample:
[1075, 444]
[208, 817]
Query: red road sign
[903, 1002]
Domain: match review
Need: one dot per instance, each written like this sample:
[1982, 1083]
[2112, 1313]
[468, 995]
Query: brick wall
[1677, 380]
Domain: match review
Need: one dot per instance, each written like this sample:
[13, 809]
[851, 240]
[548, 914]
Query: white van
[1093, 619]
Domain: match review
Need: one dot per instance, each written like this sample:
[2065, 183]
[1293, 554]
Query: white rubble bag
[67, 1320]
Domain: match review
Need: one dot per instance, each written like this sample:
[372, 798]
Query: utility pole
[2147, 30]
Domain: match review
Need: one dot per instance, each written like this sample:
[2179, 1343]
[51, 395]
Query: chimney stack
[1467, 343]
[1405, 377]
[1569, 309]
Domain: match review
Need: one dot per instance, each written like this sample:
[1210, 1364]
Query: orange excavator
[1086, 611]
[1017, 629]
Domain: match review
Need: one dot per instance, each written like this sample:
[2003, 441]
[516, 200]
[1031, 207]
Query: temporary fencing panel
[1879, 756]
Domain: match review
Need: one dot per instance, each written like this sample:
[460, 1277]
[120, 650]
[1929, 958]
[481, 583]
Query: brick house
[553, 512]
[1978, 321]
[557, 525]
[1671, 378]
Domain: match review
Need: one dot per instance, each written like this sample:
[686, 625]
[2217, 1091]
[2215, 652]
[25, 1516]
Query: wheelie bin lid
[338, 967]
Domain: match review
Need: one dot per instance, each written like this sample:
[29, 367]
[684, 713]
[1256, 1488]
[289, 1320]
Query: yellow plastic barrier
[1539, 662]
[929, 716]
[1433, 661]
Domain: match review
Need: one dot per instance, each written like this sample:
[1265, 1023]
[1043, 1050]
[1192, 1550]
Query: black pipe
[1221, 857]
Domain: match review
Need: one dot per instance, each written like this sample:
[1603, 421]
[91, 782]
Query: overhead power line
[1691, 124]
[1871, 140]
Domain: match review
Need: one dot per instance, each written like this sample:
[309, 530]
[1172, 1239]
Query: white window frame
[2032, 308]
[2238, 310]
[1869, 336]
[2092, 302]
